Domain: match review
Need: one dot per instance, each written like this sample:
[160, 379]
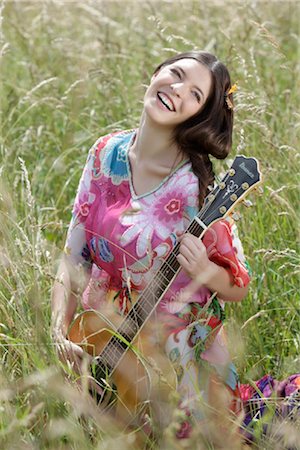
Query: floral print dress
[122, 239]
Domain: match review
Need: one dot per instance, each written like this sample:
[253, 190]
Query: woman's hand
[75, 358]
[194, 260]
[67, 288]
[69, 353]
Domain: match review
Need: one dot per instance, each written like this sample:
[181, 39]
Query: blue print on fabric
[121, 157]
[114, 161]
[192, 211]
[86, 254]
[104, 250]
[116, 164]
[199, 332]
[228, 373]
[93, 244]
[232, 377]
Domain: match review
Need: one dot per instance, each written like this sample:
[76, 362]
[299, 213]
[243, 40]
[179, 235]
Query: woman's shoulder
[108, 156]
[113, 138]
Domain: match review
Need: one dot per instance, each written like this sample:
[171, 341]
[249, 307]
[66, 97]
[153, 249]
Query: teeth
[166, 101]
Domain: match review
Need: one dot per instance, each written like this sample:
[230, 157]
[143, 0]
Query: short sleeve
[225, 249]
[76, 246]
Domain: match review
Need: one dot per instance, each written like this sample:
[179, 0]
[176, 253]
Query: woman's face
[177, 92]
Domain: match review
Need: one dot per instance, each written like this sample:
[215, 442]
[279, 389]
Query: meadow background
[73, 71]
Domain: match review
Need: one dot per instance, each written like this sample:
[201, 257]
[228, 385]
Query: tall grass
[72, 71]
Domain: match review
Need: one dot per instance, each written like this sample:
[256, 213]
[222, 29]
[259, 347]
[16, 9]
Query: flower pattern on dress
[84, 197]
[114, 160]
[100, 248]
[82, 206]
[170, 207]
[95, 151]
[142, 270]
[104, 250]
[157, 210]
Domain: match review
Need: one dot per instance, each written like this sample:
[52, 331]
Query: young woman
[138, 192]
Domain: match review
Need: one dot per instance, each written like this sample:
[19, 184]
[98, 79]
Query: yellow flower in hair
[228, 102]
[233, 89]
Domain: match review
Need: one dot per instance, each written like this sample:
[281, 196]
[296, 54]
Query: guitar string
[171, 259]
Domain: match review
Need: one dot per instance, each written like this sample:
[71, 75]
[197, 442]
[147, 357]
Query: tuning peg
[247, 203]
[236, 216]
[259, 190]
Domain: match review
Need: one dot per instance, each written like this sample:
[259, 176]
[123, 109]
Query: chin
[159, 117]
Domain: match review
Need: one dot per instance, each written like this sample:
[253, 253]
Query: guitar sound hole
[100, 373]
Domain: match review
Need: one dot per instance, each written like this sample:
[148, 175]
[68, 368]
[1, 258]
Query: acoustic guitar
[120, 346]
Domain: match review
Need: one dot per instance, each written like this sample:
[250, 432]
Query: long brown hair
[209, 132]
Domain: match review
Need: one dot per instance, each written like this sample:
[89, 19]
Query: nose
[179, 89]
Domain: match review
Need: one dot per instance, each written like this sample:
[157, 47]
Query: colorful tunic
[123, 238]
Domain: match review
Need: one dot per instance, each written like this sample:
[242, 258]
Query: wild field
[72, 71]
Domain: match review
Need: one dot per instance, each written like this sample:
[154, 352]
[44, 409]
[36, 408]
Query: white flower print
[160, 212]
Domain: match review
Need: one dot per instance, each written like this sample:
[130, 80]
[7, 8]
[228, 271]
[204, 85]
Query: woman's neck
[154, 143]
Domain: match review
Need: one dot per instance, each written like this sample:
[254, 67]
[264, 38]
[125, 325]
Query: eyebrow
[184, 74]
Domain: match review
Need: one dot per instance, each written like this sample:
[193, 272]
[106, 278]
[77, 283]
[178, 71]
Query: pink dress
[122, 238]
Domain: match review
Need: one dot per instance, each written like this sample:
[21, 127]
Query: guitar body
[137, 378]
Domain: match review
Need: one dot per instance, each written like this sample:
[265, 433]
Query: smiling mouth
[165, 100]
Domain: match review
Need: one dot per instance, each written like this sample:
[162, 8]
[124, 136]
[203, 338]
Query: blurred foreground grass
[73, 71]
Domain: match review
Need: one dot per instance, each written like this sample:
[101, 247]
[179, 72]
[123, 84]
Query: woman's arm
[195, 262]
[75, 265]
[68, 287]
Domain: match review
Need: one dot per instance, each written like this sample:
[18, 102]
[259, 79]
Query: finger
[76, 350]
[193, 241]
[183, 262]
[71, 355]
[95, 385]
[180, 235]
[196, 247]
[187, 253]
[64, 351]
[86, 357]
[77, 364]
[193, 237]
[190, 236]
[190, 250]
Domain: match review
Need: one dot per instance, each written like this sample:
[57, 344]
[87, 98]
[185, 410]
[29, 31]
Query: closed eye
[198, 98]
[177, 73]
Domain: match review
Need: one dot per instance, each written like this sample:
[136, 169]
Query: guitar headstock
[242, 177]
